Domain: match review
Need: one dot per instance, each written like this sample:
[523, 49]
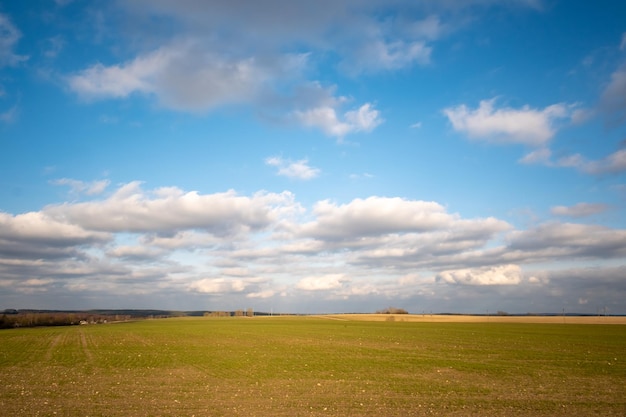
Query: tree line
[392, 310]
[12, 319]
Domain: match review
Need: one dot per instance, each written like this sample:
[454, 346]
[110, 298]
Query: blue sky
[313, 156]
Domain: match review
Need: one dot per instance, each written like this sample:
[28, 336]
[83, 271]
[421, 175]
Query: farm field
[314, 366]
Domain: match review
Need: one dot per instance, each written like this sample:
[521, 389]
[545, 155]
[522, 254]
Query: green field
[300, 366]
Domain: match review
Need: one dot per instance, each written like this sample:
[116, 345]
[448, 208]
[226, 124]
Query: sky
[313, 157]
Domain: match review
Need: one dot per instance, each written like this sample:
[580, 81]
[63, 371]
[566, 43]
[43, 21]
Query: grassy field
[302, 366]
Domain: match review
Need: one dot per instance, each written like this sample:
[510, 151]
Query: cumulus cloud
[579, 210]
[209, 79]
[42, 228]
[350, 28]
[536, 128]
[568, 240]
[218, 285]
[498, 275]
[240, 53]
[261, 294]
[526, 126]
[170, 209]
[364, 119]
[374, 216]
[136, 253]
[37, 235]
[368, 35]
[167, 243]
[298, 169]
[183, 239]
[184, 75]
[322, 283]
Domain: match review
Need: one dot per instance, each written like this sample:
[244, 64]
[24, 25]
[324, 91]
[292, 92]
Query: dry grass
[428, 318]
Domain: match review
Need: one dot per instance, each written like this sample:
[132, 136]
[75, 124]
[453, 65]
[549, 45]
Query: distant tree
[392, 310]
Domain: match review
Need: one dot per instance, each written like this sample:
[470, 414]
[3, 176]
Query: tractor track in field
[56, 341]
[84, 343]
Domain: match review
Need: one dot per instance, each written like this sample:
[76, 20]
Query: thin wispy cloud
[9, 37]
[579, 209]
[81, 187]
[293, 169]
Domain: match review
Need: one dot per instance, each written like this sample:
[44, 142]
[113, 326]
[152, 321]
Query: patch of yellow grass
[427, 318]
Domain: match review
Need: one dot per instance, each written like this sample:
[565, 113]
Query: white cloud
[234, 53]
[611, 164]
[209, 79]
[35, 235]
[365, 175]
[99, 81]
[384, 216]
[298, 169]
[41, 228]
[135, 253]
[379, 55]
[9, 36]
[622, 45]
[377, 249]
[185, 239]
[373, 216]
[218, 285]
[364, 119]
[497, 275]
[579, 210]
[353, 29]
[261, 294]
[170, 209]
[538, 156]
[185, 75]
[81, 187]
[322, 283]
[527, 126]
[567, 240]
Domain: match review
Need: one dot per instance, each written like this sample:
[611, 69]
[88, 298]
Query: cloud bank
[267, 247]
